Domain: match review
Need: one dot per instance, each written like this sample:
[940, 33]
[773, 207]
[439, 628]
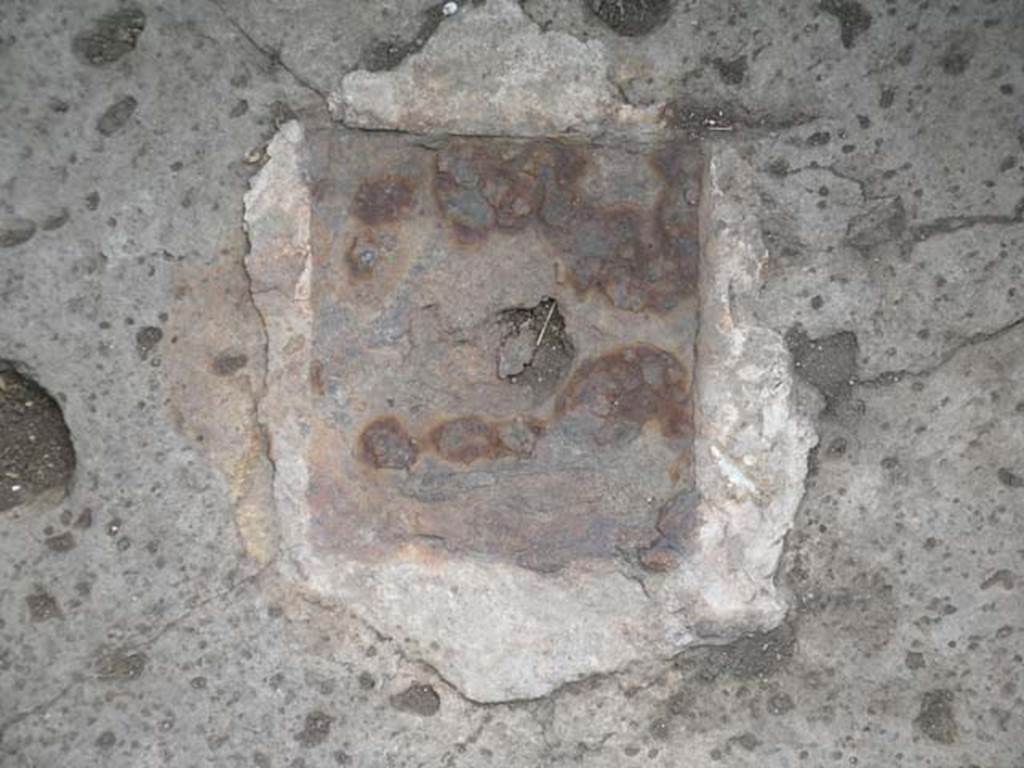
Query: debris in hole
[35, 453]
[535, 350]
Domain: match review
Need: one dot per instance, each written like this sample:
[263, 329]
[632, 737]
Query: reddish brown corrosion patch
[500, 185]
[385, 444]
[640, 260]
[624, 390]
[466, 439]
[382, 199]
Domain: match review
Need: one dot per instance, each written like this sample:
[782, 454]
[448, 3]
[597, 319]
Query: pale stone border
[490, 71]
[500, 633]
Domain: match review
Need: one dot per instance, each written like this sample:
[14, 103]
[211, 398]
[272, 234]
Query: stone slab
[481, 405]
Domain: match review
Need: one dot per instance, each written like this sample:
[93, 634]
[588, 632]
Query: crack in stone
[318, 602]
[949, 224]
[273, 56]
[43, 707]
[261, 428]
[888, 378]
[39, 709]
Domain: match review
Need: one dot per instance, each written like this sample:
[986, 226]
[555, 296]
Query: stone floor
[872, 154]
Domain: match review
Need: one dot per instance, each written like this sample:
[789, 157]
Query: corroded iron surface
[502, 350]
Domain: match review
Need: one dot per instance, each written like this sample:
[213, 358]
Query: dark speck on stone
[955, 62]
[914, 660]
[828, 363]
[732, 71]
[819, 139]
[1009, 479]
[853, 19]
[146, 339]
[15, 231]
[42, 607]
[417, 699]
[366, 681]
[56, 220]
[227, 363]
[121, 665]
[116, 116]
[631, 18]
[747, 741]
[106, 740]
[780, 704]
[110, 37]
[316, 729]
[62, 542]
[935, 718]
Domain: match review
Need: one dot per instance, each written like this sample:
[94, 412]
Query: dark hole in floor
[535, 349]
[36, 454]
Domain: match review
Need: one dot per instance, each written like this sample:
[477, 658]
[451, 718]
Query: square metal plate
[503, 346]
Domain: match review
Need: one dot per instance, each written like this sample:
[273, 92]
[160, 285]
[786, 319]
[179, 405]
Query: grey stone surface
[170, 645]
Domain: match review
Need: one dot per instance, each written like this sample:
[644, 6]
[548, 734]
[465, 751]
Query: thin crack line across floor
[888, 378]
[272, 55]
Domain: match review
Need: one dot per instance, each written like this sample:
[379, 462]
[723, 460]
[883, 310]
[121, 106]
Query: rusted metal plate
[502, 349]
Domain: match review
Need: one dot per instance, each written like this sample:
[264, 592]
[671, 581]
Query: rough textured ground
[886, 141]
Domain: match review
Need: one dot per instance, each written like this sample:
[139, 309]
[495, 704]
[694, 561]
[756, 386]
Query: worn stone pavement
[884, 142]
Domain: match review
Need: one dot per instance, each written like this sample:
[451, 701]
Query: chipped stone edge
[754, 430]
[278, 220]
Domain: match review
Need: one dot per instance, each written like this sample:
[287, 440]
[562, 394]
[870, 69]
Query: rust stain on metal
[624, 390]
[385, 444]
[470, 438]
[509, 345]
[382, 199]
[466, 439]
[639, 260]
